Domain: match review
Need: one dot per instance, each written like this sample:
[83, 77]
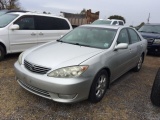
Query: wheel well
[109, 75]
[1, 44]
[143, 56]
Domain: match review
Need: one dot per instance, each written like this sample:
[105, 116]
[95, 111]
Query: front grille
[35, 68]
[35, 90]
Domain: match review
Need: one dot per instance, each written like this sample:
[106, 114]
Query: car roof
[152, 24]
[105, 26]
[111, 20]
[35, 13]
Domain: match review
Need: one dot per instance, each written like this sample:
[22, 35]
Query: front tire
[2, 53]
[99, 86]
[155, 93]
[139, 64]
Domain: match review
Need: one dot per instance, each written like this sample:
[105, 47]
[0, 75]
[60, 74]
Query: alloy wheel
[101, 86]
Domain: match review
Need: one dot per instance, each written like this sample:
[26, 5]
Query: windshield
[90, 37]
[6, 19]
[150, 28]
[101, 22]
[2, 12]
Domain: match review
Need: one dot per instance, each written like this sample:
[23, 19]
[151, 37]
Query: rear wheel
[155, 93]
[139, 64]
[2, 53]
[99, 86]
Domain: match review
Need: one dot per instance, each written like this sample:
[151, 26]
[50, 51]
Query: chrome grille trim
[34, 90]
[35, 68]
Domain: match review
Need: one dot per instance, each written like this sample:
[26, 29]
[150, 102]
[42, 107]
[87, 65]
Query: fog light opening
[63, 96]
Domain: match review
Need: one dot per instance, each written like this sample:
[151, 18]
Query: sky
[134, 11]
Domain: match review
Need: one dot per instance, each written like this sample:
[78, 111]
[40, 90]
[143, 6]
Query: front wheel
[2, 53]
[155, 92]
[139, 64]
[99, 86]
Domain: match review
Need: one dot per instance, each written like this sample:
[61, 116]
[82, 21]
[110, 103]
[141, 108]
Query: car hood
[150, 35]
[56, 55]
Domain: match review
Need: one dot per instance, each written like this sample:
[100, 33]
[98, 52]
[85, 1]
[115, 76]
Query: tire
[99, 86]
[155, 93]
[139, 64]
[2, 53]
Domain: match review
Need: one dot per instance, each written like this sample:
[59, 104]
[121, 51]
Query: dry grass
[127, 99]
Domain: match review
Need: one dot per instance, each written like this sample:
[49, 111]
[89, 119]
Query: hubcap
[101, 86]
[140, 63]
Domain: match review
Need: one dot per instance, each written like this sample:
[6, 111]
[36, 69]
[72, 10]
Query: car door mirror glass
[14, 27]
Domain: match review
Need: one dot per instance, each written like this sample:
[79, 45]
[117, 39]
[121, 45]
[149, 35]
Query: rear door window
[120, 23]
[115, 22]
[51, 23]
[134, 37]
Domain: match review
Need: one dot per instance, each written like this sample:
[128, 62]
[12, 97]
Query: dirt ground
[127, 99]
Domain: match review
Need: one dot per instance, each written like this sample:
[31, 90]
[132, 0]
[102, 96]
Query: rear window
[101, 22]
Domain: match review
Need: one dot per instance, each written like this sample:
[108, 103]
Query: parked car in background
[22, 30]
[151, 32]
[82, 64]
[108, 22]
[155, 93]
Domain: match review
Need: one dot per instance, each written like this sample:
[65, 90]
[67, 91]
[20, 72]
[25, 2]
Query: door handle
[33, 33]
[40, 33]
[130, 50]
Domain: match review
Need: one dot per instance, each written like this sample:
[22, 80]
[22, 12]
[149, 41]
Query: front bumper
[66, 90]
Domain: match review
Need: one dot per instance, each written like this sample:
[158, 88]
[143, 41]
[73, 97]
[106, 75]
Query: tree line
[9, 4]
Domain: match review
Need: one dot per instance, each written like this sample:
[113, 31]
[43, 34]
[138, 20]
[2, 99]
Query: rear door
[135, 46]
[50, 28]
[25, 37]
[121, 58]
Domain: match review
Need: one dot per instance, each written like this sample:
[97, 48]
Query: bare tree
[9, 4]
[83, 11]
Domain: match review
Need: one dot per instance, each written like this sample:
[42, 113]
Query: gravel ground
[127, 99]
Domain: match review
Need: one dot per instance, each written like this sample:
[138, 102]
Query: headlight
[68, 72]
[20, 58]
[157, 41]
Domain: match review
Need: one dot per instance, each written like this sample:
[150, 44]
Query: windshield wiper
[58, 40]
[80, 44]
[142, 31]
[155, 32]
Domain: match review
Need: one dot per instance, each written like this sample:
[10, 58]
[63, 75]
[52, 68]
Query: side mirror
[121, 46]
[14, 27]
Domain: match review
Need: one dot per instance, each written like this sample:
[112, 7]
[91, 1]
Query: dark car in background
[151, 32]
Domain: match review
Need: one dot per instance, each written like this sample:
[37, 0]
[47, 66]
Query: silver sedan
[82, 64]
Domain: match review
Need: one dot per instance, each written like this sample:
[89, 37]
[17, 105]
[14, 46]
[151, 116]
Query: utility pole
[148, 18]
